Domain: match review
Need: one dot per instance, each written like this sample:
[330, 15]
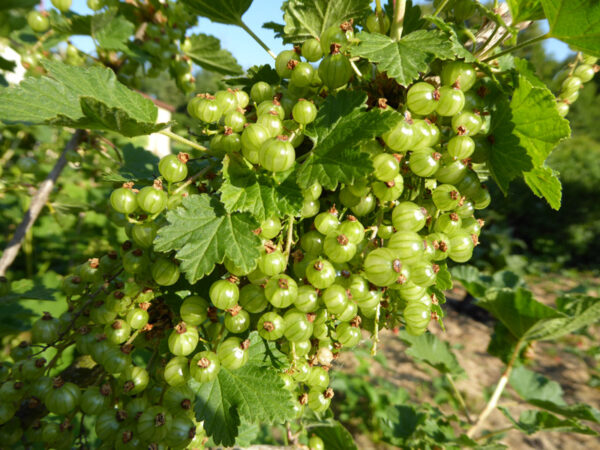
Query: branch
[183, 140]
[37, 203]
[398, 19]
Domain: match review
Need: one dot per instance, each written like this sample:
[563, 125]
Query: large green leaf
[247, 190]
[544, 182]
[203, 233]
[517, 309]
[334, 435]
[206, 51]
[429, 349]
[400, 422]
[403, 60]
[305, 19]
[11, 4]
[139, 164]
[255, 393]
[111, 31]
[341, 126]
[576, 22]
[522, 10]
[222, 11]
[530, 422]
[79, 97]
[523, 133]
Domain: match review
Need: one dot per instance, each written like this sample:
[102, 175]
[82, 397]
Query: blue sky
[243, 47]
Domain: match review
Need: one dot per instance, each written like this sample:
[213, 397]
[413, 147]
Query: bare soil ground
[468, 330]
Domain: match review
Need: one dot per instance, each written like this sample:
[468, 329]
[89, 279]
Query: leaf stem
[440, 8]
[493, 433]
[398, 20]
[459, 397]
[183, 140]
[290, 237]
[193, 178]
[257, 39]
[376, 330]
[517, 47]
[356, 71]
[493, 402]
[380, 14]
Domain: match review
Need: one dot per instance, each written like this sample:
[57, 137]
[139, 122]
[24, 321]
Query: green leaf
[524, 131]
[13, 4]
[399, 422]
[443, 279]
[265, 353]
[246, 190]
[306, 19]
[203, 234]
[255, 74]
[111, 31]
[253, 393]
[334, 435]
[71, 23]
[530, 422]
[139, 164]
[206, 51]
[502, 343]
[544, 183]
[427, 348]
[457, 47]
[471, 279]
[7, 65]
[223, 11]
[79, 97]
[403, 60]
[517, 310]
[523, 10]
[28, 289]
[341, 126]
[576, 22]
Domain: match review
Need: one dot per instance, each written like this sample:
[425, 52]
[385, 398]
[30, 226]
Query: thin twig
[440, 8]
[376, 330]
[290, 237]
[257, 39]
[37, 203]
[183, 140]
[398, 20]
[193, 178]
[459, 397]
[517, 47]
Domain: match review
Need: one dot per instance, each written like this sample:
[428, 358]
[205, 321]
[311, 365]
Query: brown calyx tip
[282, 137]
[116, 325]
[437, 156]
[75, 279]
[435, 267]
[105, 389]
[398, 156]
[397, 265]
[23, 344]
[454, 217]
[181, 328]
[382, 103]
[347, 25]
[138, 252]
[58, 382]
[192, 433]
[334, 48]
[436, 95]
[328, 393]
[245, 344]
[128, 386]
[203, 363]
[390, 184]
[126, 348]
[144, 305]
[126, 436]
[333, 210]
[160, 420]
[33, 403]
[128, 185]
[232, 279]
[270, 247]
[292, 63]
[298, 256]
[127, 245]
[475, 240]
[40, 362]
[401, 279]
[442, 246]
[481, 222]
[461, 130]
[228, 131]
[47, 316]
[454, 195]
[303, 399]
[342, 239]
[118, 295]
[257, 231]
[183, 157]
[268, 326]
[351, 218]
[462, 201]
[356, 322]
[318, 265]
[186, 403]
[283, 283]
[157, 184]
[94, 263]
[345, 273]
[235, 310]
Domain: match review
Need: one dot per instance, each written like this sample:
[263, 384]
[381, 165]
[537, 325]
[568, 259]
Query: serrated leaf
[443, 279]
[111, 31]
[246, 190]
[334, 435]
[544, 183]
[341, 126]
[223, 11]
[139, 164]
[203, 234]
[530, 422]
[517, 310]
[576, 22]
[427, 348]
[457, 47]
[206, 51]
[255, 74]
[470, 277]
[399, 422]
[403, 60]
[525, 131]
[254, 393]
[28, 289]
[523, 10]
[71, 23]
[265, 353]
[71, 94]
[309, 18]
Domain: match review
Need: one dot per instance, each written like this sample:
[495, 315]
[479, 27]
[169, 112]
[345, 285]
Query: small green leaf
[403, 60]
[399, 422]
[71, 23]
[457, 47]
[443, 279]
[246, 190]
[206, 51]
[334, 435]
[530, 422]
[139, 164]
[532, 386]
[471, 279]
[79, 97]
[544, 183]
[428, 349]
[523, 10]
[203, 234]
[341, 126]
[223, 11]
[306, 19]
[14, 4]
[111, 31]
[576, 22]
